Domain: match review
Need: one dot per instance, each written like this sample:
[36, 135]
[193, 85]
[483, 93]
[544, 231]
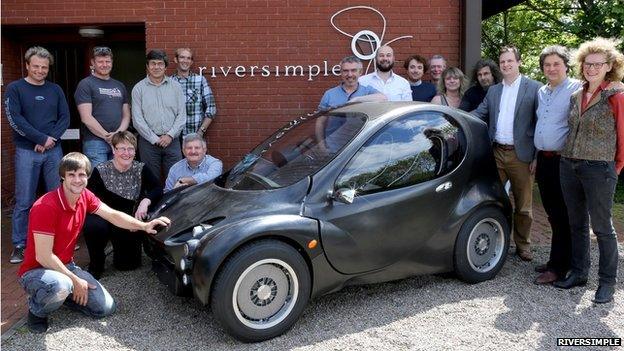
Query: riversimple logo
[367, 36]
[364, 45]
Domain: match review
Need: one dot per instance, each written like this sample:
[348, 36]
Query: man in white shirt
[395, 87]
[509, 108]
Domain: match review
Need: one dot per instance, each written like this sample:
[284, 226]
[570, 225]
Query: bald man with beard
[395, 87]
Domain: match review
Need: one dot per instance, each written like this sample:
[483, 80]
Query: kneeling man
[196, 167]
[48, 273]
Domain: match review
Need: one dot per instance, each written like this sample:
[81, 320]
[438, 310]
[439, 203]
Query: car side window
[409, 150]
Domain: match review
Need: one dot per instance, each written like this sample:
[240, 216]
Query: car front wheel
[261, 291]
[481, 245]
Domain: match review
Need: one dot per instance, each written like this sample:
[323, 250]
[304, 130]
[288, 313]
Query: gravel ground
[430, 312]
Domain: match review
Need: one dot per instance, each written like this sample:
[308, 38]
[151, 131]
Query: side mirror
[344, 195]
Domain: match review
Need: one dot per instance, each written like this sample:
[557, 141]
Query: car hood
[211, 204]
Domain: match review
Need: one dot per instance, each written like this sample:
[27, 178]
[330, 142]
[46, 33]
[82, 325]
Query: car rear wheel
[261, 291]
[481, 245]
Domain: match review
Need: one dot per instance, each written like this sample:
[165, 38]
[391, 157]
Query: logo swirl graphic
[366, 35]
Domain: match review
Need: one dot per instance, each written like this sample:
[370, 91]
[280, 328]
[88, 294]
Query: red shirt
[52, 215]
[617, 105]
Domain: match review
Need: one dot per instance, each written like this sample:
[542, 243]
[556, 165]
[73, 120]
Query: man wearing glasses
[103, 106]
[200, 103]
[158, 114]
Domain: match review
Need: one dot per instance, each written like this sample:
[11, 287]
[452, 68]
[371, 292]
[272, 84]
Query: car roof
[377, 109]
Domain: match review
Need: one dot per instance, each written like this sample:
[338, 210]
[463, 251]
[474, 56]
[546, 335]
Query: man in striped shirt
[200, 103]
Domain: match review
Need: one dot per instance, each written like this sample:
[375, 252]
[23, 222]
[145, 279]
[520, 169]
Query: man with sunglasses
[103, 106]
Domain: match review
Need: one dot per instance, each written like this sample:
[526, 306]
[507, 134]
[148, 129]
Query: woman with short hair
[125, 185]
[592, 158]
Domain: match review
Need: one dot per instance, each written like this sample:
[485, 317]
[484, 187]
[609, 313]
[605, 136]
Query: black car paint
[306, 211]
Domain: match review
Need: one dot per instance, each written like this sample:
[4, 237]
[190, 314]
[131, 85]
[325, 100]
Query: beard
[386, 68]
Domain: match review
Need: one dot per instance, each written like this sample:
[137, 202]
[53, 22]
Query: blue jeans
[28, 166]
[97, 151]
[588, 188]
[49, 289]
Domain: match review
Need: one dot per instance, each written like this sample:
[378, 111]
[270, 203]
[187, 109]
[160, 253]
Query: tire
[481, 246]
[261, 291]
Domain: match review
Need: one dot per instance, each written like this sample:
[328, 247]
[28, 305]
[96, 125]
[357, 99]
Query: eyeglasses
[129, 150]
[596, 65]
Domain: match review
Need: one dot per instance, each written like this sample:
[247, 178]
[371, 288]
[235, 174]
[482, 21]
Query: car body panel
[381, 236]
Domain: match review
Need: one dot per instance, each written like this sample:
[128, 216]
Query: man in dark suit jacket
[509, 110]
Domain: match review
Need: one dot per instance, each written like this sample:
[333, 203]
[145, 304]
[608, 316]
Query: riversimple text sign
[371, 40]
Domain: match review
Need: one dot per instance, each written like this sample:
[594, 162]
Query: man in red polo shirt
[48, 273]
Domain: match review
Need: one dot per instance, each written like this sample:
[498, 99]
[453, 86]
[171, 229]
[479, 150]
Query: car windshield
[297, 150]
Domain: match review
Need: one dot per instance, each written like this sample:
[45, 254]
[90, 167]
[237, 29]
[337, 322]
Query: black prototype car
[365, 193]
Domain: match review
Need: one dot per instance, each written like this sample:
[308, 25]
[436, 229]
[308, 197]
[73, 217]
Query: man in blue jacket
[38, 114]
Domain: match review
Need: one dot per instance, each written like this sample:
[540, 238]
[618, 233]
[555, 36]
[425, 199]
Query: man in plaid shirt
[200, 104]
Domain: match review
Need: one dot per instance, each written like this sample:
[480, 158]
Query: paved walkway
[14, 298]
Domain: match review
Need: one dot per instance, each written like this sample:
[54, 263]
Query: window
[295, 151]
[409, 150]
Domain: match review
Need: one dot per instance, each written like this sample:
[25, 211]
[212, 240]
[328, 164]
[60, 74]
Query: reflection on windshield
[409, 150]
[297, 150]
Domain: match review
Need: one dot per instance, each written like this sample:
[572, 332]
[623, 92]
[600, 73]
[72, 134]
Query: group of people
[568, 134]
[448, 85]
[170, 115]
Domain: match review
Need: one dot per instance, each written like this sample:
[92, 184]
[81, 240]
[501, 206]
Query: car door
[404, 192]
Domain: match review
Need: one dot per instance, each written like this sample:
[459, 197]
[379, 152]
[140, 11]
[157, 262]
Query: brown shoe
[541, 268]
[525, 255]
[546, 278]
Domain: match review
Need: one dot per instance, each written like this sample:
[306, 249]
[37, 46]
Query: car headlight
[199, 229]
[190, 246]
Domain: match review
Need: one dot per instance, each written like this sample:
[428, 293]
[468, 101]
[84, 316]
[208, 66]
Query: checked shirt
[200, 102]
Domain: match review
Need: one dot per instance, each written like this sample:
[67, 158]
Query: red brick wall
[11, 70]
[248, 33]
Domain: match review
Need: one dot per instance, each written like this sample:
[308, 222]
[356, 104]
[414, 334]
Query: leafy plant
[535, 24]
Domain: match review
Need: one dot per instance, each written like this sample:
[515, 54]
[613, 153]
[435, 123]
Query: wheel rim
[485, 245]
[265, 293]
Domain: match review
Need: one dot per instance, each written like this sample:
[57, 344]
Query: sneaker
[17, 255]
[37, 324]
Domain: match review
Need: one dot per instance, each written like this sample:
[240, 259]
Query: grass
[619, 193]
[618, 203]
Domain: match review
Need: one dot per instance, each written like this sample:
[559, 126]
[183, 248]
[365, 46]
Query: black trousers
[589, 188]
[549, 183]
[126, 245]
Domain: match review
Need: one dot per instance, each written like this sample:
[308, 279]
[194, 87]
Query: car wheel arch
[269, 236]
[204, 293]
